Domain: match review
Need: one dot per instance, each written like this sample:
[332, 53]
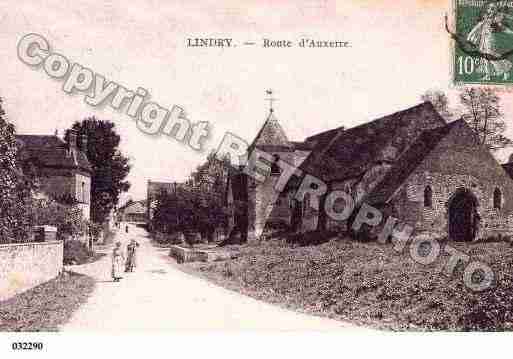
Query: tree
[195, 206]
[15, 188]
[110, 166]
[440, 103]
[482, 111]
[211, 176]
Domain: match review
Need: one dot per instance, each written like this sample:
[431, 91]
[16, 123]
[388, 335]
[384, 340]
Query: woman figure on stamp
[117, 262]
[483, 35]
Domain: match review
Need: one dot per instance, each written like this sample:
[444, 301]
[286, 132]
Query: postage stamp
[484, 43]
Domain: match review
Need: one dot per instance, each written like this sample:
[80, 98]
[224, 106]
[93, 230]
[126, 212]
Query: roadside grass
[370, 284]
[47, 306]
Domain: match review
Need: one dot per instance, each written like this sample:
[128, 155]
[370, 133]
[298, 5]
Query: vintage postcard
[174, 167]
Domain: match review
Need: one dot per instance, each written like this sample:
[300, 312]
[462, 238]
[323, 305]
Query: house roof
[408, 162]
[341, 153]
[138, 207]
[155, 188]
[51, 151]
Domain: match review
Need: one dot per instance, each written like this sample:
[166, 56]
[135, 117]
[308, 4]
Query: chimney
[72, 139]
[83, 142]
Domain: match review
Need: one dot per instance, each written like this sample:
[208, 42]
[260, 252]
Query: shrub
[95, 230]
[310, 238]
[68, 219]
[15, 188]
[75, 252]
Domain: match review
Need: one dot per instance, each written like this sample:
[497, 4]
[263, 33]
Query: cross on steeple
[271, 99]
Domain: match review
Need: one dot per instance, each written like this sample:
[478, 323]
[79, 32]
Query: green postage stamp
[484, 42]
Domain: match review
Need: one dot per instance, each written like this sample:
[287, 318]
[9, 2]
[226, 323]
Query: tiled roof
[51, 151]
[340, 153]
[302, 146]
[138, 207]
[407, 163]
[271, 134]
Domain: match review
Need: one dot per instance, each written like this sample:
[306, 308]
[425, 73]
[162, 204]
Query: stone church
[62, 168]
[412, 165]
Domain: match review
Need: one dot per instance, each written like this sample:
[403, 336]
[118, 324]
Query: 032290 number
[27, 346]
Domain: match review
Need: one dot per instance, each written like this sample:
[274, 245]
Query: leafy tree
[209, 185]
[482, 111]
[195, 206]
[15, 188]
[110, 166]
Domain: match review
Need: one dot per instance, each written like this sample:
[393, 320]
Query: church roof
[51, 151]
[341, 153]
[271, 135]
[508, 167]
[408, 162]
[302, 146]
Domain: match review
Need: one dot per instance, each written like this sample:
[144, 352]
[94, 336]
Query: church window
[497, 198]
[428, 197]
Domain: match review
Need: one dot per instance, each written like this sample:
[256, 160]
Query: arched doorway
[463, 216]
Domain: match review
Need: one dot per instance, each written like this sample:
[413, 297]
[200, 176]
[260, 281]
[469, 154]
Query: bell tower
[266, 206]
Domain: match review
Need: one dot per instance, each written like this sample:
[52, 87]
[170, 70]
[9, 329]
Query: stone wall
[262, 198]
[26, 265]
[57, 182]
[457, 163]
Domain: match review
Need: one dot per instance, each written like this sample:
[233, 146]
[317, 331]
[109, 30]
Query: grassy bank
[47, 306]
[370, 284]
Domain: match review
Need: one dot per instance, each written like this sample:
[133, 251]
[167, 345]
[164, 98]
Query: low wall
[26, 265]
[186, 255]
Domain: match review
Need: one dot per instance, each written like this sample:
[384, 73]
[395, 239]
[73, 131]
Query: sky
[398, 50]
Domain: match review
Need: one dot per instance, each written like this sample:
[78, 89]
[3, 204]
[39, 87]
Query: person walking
[117, 262]
[131, 256]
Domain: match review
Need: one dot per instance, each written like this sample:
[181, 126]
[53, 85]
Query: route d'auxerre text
[266, 43]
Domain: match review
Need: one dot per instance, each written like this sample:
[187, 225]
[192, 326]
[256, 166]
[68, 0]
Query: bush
[192, 237]
[76, 252]
[275, 229]
[15, 188]
[310, 238]
[68, 219]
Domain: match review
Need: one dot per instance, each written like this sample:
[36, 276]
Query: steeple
[271, 99]
[271, 133]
